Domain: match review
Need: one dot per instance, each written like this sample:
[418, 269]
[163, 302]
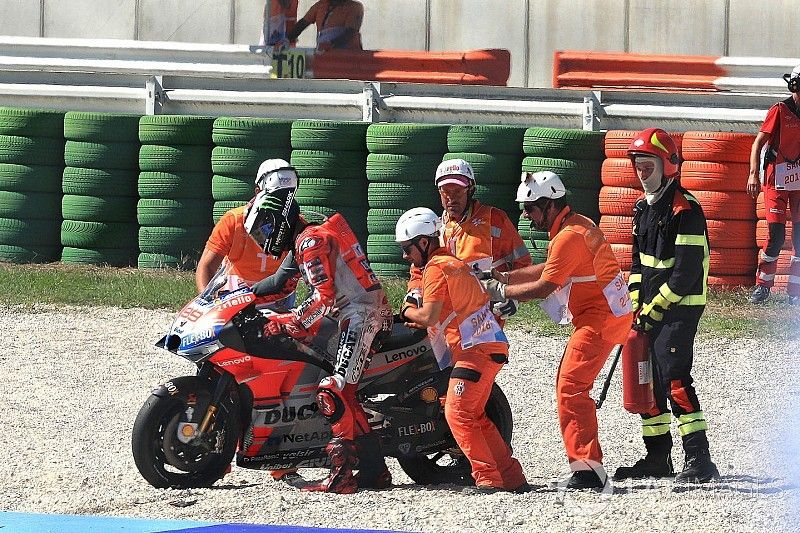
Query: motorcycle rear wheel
[451, 466]
[166, 462]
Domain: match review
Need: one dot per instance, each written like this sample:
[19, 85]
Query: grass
[728, 314]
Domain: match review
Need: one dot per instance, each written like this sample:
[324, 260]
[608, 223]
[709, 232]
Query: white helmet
[535, 185]
[417, 222]
[275, 174]
[455, 171]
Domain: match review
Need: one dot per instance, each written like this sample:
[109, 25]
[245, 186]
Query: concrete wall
[531, 29]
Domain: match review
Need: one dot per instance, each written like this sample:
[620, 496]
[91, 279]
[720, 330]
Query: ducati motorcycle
[253, 397]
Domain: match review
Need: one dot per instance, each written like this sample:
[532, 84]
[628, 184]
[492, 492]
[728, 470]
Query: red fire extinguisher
[637, 374]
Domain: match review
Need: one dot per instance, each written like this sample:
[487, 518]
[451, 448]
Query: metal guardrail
[233, 80]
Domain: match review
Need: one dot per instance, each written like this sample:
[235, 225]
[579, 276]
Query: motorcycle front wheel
[451, 465]
[163, 452]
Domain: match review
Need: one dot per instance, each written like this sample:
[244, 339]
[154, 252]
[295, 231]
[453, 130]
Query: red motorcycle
[254, 397]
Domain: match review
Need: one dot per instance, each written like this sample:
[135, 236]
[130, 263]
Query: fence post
[372, 102]
[592, 110]
[155, 95]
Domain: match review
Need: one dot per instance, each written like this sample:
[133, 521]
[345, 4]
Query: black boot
[698, 467]
[657, 462]
[341, 480]
[372, 470]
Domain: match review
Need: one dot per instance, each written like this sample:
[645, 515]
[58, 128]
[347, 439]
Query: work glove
[505, 309]
[652, 314]
[496, 290]
[493, 273]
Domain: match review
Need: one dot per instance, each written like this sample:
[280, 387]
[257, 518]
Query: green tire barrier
[243, 161]
[176, 186]
[253, 133]
[31, 122]
[487, 139]
[539, 253]
[175, 129]
[585, 202]
[581, 174]
[31, 150]
[97, 182]
[488, 168]
[402, 196]
[30, 232]
[527, 232]
[188, 240]
[329, 135]
[232, 188]
[104, 155]
[112, 235]
[98, 208]
[220, 208]
[324, 164]
[402, 168]
[564, 143]
[161, 158]
[147, 260]
[30, 205]
[325, 191]
[98, 256]
[169, 212]
[101, 127]
[382, 248]
[387, 271]
[29, 254]
[30, 178]
[383, 220]
[407, 138]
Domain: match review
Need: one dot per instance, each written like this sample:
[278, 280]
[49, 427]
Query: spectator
[780, 133]
[280, 16]
[338, 24]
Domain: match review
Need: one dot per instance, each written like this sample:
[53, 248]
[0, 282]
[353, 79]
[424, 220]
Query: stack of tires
[576, 156]
[31, 164]
[240, 146]
[174, 209]
[715, 170]
[330, 158]
[99, 184]
[401, 167]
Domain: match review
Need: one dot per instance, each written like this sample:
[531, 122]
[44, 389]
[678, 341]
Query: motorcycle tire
[454, 468]
[155, 425]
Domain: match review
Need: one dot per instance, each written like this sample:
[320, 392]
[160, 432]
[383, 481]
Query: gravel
[74, 379]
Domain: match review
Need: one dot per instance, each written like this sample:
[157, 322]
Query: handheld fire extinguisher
[637, 373]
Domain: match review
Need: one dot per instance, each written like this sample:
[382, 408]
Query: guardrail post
[155, 95]
[592, 109]
[372, 102]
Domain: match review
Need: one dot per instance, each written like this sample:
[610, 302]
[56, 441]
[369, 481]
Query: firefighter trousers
[465, 411]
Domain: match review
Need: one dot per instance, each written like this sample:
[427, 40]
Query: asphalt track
[44, 523]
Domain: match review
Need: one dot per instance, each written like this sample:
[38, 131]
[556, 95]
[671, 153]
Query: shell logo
[429, 395]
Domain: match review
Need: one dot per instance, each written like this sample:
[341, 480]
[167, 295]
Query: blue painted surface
[42, 523]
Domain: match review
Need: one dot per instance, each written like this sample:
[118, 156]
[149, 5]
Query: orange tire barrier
[729, 281]
[617, 229]
[717, 146]
[708, 176]
[619, 172]
[618, 200]
[740, 261]
[762, 233]
[623, 253]
[732, 233]
[726, 205]
[475, 67]
[588, 69]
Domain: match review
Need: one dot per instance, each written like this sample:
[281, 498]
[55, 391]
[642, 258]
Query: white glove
[496, 290]
[505, 309]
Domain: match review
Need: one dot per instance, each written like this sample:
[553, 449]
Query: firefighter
[480, 235]
[580, 282]
[780, 133]
[455, 309]
[343, 287]
[668, 283]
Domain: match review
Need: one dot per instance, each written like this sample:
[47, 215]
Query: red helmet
[657, 142]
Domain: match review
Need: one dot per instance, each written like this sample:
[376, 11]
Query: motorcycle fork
[223, 382]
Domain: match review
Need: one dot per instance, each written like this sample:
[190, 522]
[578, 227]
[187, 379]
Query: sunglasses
[407, 247]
